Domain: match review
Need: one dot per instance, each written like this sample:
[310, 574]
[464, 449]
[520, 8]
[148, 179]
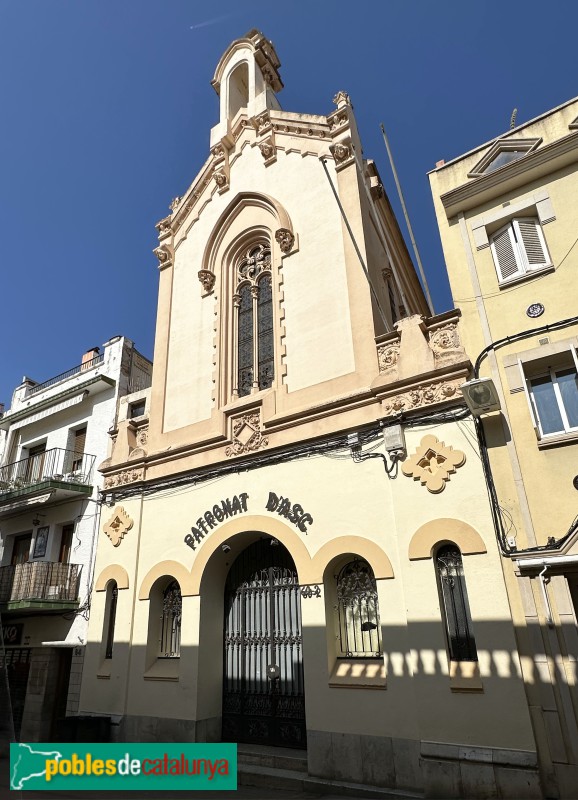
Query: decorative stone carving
[247, 435]
[342, 98]
[387, 356]
[174, 203]
[267, 149]
[118, 525]
[142, 435]
[221, 179]
[285, 239]
[341, 152]
[433, 463]
[262, 122]
[164, 254]
[207, 279]
[218, 152]
[124, 477]
[338, 119]
[137, 453]
[446, 345]
[164, 227]
[269, 76]
[422, 395]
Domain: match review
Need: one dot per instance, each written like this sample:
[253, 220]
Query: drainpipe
[549, 619]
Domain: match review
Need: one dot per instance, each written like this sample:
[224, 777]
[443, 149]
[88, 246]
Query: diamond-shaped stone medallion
[432, 463]
[118, 525]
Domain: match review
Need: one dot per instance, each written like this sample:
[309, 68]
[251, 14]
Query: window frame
[470, 643]
[519, 250]
[342, 623]
[248, 277]
[552, 373]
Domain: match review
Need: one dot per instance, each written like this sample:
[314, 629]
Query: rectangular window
[519, 248]
[554, 397]
[137, 409]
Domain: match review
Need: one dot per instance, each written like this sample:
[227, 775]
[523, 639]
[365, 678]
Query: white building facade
[55, 434]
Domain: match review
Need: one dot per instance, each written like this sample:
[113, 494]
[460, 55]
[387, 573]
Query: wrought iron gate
[263, 693]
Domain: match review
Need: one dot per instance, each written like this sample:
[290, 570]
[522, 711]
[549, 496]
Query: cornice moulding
[546, 159]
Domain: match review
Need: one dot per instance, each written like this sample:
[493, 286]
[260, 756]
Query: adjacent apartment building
[55, 434]
[297, 547]
[508, 222]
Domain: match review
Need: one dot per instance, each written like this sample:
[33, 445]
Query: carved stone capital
[446, 345]
[285, 240]
[207, 279]
[387, 356]
[342, 99]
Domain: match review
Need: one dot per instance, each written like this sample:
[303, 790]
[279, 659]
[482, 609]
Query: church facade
[297, 548]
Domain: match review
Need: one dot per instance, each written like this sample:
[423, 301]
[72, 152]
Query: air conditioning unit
[481, 396]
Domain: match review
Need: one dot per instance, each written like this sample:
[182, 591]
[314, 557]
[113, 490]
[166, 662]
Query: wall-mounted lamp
[481, 396]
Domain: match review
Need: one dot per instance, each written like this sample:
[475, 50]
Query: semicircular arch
[113, 572]
[252, 523]
[356, 546]
[172, 569]
[436, 531]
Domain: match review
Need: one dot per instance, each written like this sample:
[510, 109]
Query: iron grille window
[170, 644]
[111, 618]
[455, 607]
[358, 611]
[254, 324]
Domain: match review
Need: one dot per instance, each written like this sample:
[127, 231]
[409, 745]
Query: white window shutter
[505, 256]
[531, 239]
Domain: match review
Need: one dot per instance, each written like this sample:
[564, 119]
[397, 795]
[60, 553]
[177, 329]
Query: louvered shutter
[531, 239]
[505, 255]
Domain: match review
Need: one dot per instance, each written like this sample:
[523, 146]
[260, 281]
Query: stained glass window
[255, 321]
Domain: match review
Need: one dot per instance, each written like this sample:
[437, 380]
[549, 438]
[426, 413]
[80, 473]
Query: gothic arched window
[253, 303]
[170, 639]
[455, 606]
[358, 611]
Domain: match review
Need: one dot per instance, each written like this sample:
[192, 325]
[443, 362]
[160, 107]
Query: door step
[284, 768]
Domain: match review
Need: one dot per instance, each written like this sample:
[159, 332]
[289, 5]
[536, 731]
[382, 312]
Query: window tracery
[253, 306]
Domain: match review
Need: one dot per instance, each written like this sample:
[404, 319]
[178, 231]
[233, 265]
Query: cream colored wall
[353, 501]
[496, 313]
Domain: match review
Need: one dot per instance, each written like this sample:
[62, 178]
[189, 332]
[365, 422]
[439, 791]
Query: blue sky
[107, 106]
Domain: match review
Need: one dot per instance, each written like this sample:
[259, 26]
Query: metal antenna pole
[408, 223]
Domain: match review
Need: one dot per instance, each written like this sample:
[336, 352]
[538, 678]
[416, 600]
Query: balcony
[39, 586]
[56, 474]
[84, 367]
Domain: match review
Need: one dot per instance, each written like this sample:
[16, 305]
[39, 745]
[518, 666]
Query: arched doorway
[263, 691]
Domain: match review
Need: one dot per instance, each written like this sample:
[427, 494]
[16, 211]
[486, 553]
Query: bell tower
[246, 79]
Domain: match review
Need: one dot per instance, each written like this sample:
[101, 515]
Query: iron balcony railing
[57, 464]
[39, 580]
[68, 374]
